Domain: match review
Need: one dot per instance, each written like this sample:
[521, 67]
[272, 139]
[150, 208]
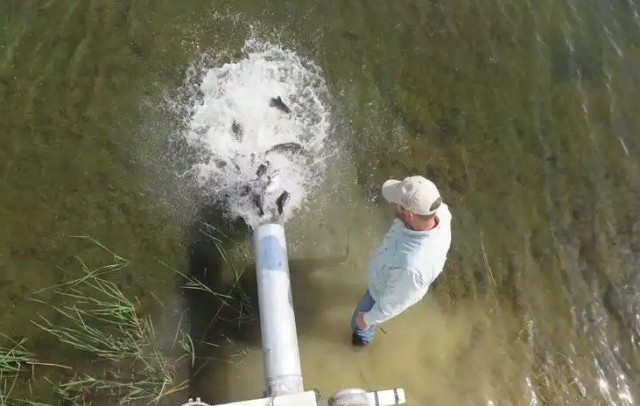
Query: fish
[292, 147]
[237, 130]
[279, 104]
[262, 188]
[281, 201]
[244, 190]
[238, 170]
[220, 163]
[262, 169]
[258, 201]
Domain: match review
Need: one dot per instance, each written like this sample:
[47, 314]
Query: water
[232, 129]
[522, 112]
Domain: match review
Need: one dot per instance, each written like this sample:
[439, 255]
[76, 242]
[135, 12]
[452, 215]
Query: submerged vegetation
[101, 321]
[126, 361]
[15, 360]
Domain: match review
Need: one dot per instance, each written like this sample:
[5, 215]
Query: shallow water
[522, 112]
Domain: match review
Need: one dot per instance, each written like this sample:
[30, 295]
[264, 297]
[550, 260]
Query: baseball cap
[415, 193]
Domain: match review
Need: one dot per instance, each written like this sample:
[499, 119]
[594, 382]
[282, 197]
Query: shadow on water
[312, 297]
[215, 303]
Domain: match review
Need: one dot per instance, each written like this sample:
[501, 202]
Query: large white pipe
[277, 321]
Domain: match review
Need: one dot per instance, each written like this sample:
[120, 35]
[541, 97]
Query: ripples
[592, 67]
[549, 96]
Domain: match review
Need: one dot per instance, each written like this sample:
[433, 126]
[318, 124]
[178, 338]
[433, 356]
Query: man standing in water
[410, 257]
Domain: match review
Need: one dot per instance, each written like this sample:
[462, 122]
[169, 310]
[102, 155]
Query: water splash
[242, 144]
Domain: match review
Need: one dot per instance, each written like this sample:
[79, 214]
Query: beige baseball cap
[415, 193]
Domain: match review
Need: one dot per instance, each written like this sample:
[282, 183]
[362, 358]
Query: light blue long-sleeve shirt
[404, 265]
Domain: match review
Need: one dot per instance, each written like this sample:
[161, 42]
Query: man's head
[416, 200]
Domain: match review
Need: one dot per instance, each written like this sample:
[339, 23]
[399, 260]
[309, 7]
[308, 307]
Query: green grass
[14, 357]
[95, 319]
[98, 319]
[16, 361]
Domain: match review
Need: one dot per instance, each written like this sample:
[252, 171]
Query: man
[410, 257]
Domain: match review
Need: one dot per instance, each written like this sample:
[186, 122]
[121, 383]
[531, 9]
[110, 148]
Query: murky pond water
[524, 113]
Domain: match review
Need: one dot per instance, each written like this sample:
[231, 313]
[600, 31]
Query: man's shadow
[314, 297]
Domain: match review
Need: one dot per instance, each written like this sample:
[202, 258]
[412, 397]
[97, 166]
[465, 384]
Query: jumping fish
[266, 184]
[262, 169]
[258, 201]
[237, 130]
[292, 147]
[279, 104]
[281, 201]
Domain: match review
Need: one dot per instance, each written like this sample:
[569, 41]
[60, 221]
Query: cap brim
[392, 191]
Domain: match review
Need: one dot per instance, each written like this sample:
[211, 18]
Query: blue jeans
[366, 303]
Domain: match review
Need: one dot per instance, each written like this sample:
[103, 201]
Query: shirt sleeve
[406, 287]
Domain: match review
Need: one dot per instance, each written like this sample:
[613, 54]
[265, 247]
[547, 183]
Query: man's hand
[360, 321]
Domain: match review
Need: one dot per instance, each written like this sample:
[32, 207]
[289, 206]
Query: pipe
[280, 351]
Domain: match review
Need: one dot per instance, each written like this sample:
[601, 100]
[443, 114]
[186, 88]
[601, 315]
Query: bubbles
[246, 144]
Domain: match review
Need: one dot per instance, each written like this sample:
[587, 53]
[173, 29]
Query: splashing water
[251, 146]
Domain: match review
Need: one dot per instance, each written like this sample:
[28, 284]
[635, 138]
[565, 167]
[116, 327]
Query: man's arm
[406, 287]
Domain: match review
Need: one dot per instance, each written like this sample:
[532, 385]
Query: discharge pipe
[280, 350]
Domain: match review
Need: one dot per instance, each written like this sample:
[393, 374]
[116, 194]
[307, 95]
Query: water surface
[522, 112]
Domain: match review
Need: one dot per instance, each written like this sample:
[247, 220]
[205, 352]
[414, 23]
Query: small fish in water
[220, 163]
[292, 147]
[258, 200]
[245, 190]
[281, 201]
[262, 169]
[279, 104]
[237, 130]
[238, 170]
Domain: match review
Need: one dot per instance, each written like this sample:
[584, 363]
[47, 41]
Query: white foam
[241, 92]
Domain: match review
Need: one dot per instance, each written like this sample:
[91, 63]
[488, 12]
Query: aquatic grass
[97, 318]
[212, 233]
[192, 283]
[15, 360]
[14, 357]
[234, 293]
[94, 316]
[485, 259]
[116, 263]
[233, 258]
